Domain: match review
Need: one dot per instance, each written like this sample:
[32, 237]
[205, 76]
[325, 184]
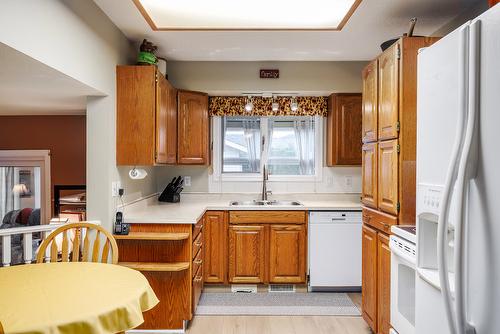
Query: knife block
[170, 198]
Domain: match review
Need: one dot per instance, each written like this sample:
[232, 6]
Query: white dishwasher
[334, 250]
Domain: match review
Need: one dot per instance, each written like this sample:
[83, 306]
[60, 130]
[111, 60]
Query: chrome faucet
[265, 177]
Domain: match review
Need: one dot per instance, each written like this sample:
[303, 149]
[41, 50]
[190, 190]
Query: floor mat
[314, 303]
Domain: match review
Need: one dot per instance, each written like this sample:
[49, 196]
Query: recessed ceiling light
[240, 15]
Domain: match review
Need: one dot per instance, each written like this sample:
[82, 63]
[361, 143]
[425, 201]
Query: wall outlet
[187, 181]
[348, 181]
[115, 188]
[329, 181]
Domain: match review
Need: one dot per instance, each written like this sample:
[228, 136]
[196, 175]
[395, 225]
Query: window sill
[272, 178]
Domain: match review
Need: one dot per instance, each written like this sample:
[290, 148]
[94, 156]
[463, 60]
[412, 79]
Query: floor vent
[249, 288]
[281, 288]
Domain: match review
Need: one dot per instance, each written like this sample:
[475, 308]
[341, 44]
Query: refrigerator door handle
[466, 171]
[451, 178]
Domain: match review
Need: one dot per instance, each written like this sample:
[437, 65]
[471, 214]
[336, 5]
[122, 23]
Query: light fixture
[249, 105]
[231, 15]
[294, 106]
[137, 174]
[20, 189]
[275, 106]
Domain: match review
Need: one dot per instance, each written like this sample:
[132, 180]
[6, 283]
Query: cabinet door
[287, 254]
[344, 130]
[171, 155]
[369, 174]
[193, 128]
[135, 115]
[247, 253]
[384, 285]
[369, 276]
[388, 92]
[388, 176]
[370, 103]
[215, 233]
[166, 123]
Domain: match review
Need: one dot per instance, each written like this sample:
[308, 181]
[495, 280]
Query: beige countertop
[193, 206]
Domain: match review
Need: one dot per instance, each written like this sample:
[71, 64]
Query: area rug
[315, 303]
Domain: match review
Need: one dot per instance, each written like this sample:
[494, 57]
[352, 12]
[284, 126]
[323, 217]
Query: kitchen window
[288, 146]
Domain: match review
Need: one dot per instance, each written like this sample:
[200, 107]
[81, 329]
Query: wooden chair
[87, 255]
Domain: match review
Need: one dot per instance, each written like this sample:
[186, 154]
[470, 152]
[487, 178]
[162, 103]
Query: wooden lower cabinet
[215, 233]
[287, 254]
[376, 280]
[247, 253]
[369, 276]
[383, 284]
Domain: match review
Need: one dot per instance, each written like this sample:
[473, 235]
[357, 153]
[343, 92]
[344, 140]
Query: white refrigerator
[458, 181]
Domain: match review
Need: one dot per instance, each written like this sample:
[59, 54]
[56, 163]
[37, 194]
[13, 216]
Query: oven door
[402, 291]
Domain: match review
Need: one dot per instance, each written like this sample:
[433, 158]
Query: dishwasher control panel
[323, 217]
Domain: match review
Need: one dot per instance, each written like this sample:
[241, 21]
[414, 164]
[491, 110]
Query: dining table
[73, 297]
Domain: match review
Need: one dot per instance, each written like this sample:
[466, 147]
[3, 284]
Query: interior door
[388, 176]
[370, 103]
[384, 284]
[369, 276]
[215, 234]
[193, 128]
[287, 254]
[247, 253]
[369, 174]
[388, 93]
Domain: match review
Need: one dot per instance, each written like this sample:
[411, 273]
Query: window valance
[262, 106]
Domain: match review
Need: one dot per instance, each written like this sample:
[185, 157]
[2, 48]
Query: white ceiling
[373, 22]
[29, 87]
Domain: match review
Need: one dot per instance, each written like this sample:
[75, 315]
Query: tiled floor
[280, 324]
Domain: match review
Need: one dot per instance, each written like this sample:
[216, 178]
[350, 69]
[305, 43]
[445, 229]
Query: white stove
[403, 263]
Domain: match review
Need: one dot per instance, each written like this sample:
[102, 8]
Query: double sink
[265, 203]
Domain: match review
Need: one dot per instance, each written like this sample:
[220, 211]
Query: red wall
[64, 136]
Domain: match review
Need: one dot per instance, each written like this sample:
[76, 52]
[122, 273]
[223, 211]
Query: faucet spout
[265, 177]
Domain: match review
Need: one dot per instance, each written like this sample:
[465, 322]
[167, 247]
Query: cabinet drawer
[249, 217]
[381, 221]
[197, 228]
[197, 288]
[197, 244]
[197, 262]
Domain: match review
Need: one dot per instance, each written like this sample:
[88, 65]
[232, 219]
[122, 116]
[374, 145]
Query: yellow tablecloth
[53, 298]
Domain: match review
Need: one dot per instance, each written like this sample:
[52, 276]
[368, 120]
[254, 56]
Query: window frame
[218, 176]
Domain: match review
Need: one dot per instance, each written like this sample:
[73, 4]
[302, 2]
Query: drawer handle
[198, 244]
[367, 217]
[198, 279]
[386, 226]
[334, 219]
[198, 261]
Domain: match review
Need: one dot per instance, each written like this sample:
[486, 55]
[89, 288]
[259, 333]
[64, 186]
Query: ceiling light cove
[169, 15]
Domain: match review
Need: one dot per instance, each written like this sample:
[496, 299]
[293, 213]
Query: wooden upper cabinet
[370, 103]
[369, 190]
[166, 122]
[193, 128]
[215, 235]
[344, 130]
[383, 284]
[388, 176]
[247, 253]
[388, 93]
[146, 117]
[287, 254]
[369, 276]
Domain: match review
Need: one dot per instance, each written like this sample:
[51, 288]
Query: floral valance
[262, 106]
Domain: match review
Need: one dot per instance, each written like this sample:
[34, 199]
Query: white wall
[77, 39]
[473, 11]
[236, 77]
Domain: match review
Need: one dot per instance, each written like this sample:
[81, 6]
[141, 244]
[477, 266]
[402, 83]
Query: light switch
[187, 181]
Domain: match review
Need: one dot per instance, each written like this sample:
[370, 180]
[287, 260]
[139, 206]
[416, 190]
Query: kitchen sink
[265, 203]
